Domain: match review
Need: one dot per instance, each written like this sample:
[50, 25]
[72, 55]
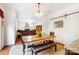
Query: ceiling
[25, 10]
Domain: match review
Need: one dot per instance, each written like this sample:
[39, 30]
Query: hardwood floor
[5, 50]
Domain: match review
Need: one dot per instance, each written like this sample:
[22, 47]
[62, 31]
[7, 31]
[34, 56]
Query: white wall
[2, 28]
[21, 24]
[44, 25]
[10, 26]
[70, 31]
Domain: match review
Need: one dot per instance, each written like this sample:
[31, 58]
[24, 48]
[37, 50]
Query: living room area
[39, 28]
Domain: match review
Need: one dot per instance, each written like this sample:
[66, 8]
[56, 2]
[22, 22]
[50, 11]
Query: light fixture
[38, 12]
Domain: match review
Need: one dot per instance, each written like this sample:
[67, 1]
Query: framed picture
[58, 24]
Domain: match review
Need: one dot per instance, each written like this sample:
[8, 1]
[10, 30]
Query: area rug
[16, 50]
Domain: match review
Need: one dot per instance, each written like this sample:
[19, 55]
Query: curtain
[1, 14]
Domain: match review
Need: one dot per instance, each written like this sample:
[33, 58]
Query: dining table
[34, 39]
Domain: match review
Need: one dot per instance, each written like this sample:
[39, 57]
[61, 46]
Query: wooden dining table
[34, 38]
[29, 40]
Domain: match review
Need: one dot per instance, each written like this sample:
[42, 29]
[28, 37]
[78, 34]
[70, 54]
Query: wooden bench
[42, 47]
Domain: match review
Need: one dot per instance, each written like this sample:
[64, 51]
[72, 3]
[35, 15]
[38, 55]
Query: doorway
[1, 34]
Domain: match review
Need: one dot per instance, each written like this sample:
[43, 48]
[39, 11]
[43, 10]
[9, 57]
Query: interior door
[1, 34]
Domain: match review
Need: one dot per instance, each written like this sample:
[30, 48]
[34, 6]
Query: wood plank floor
[5, 50]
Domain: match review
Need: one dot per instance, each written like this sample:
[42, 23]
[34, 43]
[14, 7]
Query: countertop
[73, 46]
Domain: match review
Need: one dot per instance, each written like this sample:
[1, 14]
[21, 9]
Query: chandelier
[38, 12]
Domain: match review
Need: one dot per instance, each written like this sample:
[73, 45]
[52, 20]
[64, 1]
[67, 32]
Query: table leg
[24, 47]
[55, 47]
